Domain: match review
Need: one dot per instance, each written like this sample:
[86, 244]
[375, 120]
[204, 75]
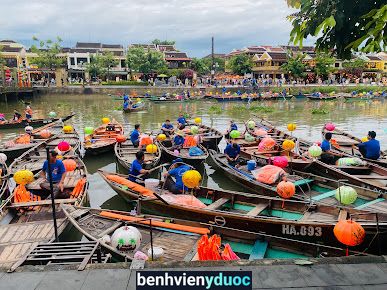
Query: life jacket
[21, 194]
[189, 141]
[78, 189]
[269, 174]
[24, 139]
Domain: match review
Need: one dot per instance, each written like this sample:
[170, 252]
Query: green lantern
[52, 114]
[89, 130]
[315, 151]
[346, 195]
[235, 134]
[194, 130]
[251, 124]
[249, 138]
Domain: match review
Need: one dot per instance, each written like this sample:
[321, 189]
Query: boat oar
[153, 169]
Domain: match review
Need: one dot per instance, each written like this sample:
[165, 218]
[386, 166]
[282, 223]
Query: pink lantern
[266, 144]
[260, 132]
[280, 161]
[64, 146]
[330, 127]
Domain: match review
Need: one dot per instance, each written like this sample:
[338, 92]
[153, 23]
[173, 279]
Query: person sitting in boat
[136, 168]
[28, 112]
[232, 127]
[178, 140]
[232, 152]
[126, 105]
[16, 116]
[328, 156]
[167, 128]
[58, 174]
[126, 97]
[371, 148]
[181, 120]
[2, 118]
[135, 136]
[177, 169]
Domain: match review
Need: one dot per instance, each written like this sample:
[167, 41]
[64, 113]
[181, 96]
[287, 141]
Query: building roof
[88, 45]
[7, 41]
[277, 55]
[83, 50]
[298, 49]
[178, 59]
[7, 48]
[119, 46]
[146, 46]
[373, 57]
[166, 47]
[173, 54]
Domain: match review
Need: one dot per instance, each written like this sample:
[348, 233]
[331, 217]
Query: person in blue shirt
[181, 120]
[126, 105]
[176, 171]
[167, 128]
[178, 140]
[328, 156]
[126, 97]
[224, 90]
[232, 127]
[135, 136]
[136, 168]
[371, 148]
[232, 152]
[58, 174]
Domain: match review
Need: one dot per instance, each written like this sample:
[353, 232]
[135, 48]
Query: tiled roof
[112, 46]
[166, 47]
[88, 45]
[178, 59]
[277, 55]
[171, 54]
[373, 57]
[7, 40]
[7, 48]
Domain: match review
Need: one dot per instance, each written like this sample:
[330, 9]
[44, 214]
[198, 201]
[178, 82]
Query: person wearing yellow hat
[178, 140]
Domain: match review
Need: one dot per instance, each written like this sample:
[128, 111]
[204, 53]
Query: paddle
[153, 169]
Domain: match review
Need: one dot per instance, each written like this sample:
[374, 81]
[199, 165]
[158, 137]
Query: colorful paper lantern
[330, 126]
[3, 158]
[120, 138]
[23, 177]
[315, 151]
[45, 134]
[194, 130]
[161, 137]
[288, 145]
[260, 132]
[69, 164]
[198, 120]
[235, 134]
[64, 146]
[349, 233]
[292, 127]
[364, 139]
[145, 140]
[286, 189]
[191, 178]
[266, 144]
[68, 129]
[280, 161]
[151, 148]
[126, 239]
[346, 195]
[251, 125]
[249, 138]
[52, 114]
[105, 120]
[89, 130]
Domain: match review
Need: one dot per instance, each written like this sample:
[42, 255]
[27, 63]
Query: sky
[234, 24]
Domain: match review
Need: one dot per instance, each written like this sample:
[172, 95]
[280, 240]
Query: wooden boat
[25, 225]
[139, 107]
[34, 158]
[126, 154]
[161, 100]
[308, 185]
[230, 98]
[322, 97]
[34, 122]
[4, 184]
[346, 143]
[210, 137]
[181, 244]
[103, 140]
[169, 155]
[299, 220]
[14, 149]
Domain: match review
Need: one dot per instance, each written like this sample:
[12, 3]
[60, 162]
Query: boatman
[328, 156]
[232, 152]
[371, 148]
[58, 174]
[136, 168]
[167, 128]
[232, 127]
[177, 169]
[16, 116]
[178, 140]
[135, 136]
[126, 105]
[181, 120]
[28, 112]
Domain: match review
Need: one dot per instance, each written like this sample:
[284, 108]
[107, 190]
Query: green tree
[135, 57]
[48, 54]
[217, 60]
[354, 66]
[163, 42]
[324, 64]
[240, 64]
[96, 68]
[341, 26]
[200, 66]
[294, 66]
[145, 61]
[108, 61]
[2, 67]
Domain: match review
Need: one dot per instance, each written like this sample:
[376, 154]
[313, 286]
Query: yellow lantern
[191, 178]
[198, 120]
[288, 145]
[68, 129]
[60, 157]
[105, 120]
[23, 177]
[138, 100]
[292, 127]
[364, 139]
[161, 137]
[151, 148]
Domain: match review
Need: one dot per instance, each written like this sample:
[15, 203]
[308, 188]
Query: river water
[357, 117]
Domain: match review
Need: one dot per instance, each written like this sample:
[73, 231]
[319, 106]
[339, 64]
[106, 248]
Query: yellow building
[269, 65]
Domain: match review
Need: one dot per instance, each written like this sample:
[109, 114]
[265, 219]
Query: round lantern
[260, 132]
[88, 130]
[3, 158]
[235, 134]
[161, 137]
[251, 125]
[105, 120]
[194, 130]
[138, 100]
[349, 233]
[266, 144]
[69, 164]
[292, 127]
[198, 120]
[45, 134]
[60, 157]
[346, 195]
[23, 177]
[280, 161]
[315, 151]
[52, 114]
[330, 126]
[249, 138]
[145, 140]
[286, 189]
[64, 146]
[126, 239]
[68, 129]
[151, 148]
[288, 145]
[364, 139]
[120, 138]
[191, 178]
[28, 129]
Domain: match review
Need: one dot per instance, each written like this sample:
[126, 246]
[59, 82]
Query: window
[82, 60]
[72, 61]
[337, 64]
[123, 63]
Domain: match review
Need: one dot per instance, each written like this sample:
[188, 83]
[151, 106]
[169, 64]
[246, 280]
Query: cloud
[234, 24]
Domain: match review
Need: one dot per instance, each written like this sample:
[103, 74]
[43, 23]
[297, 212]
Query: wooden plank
[218, 203]
[42, 202]
[259, 250]
[371, 177]
[257, 209]
[372, 202]
[306, 216]
[342, 215]
[324, 195]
